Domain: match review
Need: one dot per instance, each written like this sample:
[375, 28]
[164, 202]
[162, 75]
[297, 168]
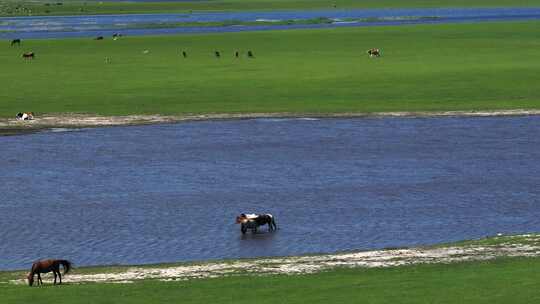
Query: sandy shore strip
[508, 246]
[72, 120]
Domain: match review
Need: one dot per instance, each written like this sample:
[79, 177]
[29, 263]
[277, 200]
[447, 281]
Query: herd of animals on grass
[30, 55]
[373, 52]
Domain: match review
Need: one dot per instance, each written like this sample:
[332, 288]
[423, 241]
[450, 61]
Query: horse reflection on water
[253, 221]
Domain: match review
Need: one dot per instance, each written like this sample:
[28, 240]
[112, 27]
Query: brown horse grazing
[44, 266]
[29, 55]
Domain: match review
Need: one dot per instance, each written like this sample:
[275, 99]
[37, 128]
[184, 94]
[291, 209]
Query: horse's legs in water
[271, 224]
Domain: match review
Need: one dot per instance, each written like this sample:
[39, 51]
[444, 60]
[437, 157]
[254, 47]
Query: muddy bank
[11, 126]
[508, 246]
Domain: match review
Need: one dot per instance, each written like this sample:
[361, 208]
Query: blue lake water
[88, 26]
[163, 193]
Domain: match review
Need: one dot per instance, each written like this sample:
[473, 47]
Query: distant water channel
[152, 24]
[164, 193]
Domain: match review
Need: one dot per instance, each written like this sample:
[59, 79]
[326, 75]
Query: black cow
[374, 53]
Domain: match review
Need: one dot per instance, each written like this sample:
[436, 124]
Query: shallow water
[88, 26]
[162, 193]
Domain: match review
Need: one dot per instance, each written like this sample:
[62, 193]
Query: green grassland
[503, 280]
[483, 66]
[499, 281]
[68, 7]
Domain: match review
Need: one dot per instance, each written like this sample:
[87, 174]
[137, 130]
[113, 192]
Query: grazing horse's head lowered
[30, 278]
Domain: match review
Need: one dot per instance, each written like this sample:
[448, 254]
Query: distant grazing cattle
[250, 54]
[15, 41]
[236, 54]
[99, 38]
[374, 53]
[28, 55]
[184, 54]
[217, 54]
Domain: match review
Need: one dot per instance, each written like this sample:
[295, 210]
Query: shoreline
[11, 126]
[14, 9]
[526, 245]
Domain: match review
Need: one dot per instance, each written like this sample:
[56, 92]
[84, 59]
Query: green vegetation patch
[486, 66]
[499, 281]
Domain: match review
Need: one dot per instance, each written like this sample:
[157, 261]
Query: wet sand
[11, 126]
[523, 246]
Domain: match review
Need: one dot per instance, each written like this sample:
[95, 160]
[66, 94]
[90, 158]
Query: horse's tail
[273, 221]
[66, 264]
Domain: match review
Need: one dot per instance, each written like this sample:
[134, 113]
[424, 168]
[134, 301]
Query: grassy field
[423, 68]
[499, 281]
[68, 7]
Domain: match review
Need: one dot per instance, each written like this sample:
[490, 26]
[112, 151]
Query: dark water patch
[148, 194]
[151, 24]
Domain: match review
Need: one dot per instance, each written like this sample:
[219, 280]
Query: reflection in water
[163, 193]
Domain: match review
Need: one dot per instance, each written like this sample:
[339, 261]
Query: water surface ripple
[151, 24]
[162, 193]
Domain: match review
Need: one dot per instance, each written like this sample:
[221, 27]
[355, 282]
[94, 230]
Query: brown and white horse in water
[374, 52]
[44, 266]
[253, 221]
